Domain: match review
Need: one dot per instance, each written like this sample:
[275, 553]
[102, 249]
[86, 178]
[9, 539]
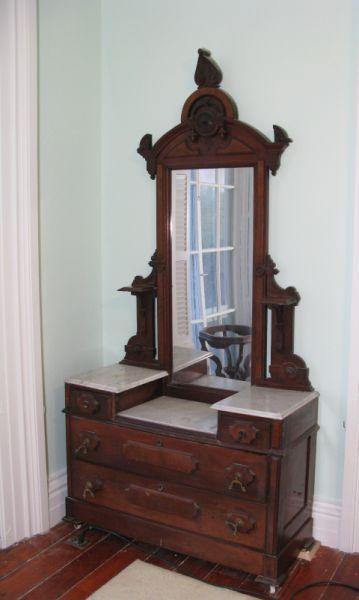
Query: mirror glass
[212, 267]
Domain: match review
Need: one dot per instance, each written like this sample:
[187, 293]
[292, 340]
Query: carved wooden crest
[209, 124]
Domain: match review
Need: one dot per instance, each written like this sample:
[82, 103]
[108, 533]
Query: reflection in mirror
[212, 265]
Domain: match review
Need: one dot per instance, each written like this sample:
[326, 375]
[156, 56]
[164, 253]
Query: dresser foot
[80, 541]
[273, 584]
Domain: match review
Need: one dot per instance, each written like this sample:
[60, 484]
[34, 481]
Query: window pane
[226, 176]
[208, 216]
[226, 259]
[195, 291]
[210, 282]
[229, 319]
[227, 217]
[207, 175]
[193, 232]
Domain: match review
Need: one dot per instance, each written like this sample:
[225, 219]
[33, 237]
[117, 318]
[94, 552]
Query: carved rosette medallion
[207, 129]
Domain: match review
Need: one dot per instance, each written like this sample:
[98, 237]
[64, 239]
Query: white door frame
[349, 531]
[23, 477]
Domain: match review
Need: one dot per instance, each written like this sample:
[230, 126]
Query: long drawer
[179, 506]
[234, 472]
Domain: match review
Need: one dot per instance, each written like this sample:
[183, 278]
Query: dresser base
[270, 569]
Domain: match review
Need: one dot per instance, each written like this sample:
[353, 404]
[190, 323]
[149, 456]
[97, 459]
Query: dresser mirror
[212, 266]
[213, 281]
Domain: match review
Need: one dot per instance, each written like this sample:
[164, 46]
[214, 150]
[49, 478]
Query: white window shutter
[180, 259]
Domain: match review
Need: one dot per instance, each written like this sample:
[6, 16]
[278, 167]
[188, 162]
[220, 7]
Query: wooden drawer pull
[240, 522]
[239, 477]
[88, 441]
[182, 462]
[162, 502]
[87, 404]
[244, 434]
[91, 487]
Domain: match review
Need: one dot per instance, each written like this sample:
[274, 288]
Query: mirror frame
[211, 136]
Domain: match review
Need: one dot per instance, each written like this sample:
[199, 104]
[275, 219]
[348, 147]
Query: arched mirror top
[212, 288]
[210, 128]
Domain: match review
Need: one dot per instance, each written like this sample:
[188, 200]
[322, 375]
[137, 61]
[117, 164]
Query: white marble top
[116, 378]
[175, 412]
[264, 402]
[185, 357]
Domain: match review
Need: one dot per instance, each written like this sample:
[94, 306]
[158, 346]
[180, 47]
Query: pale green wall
[70, 200]
[286, 62]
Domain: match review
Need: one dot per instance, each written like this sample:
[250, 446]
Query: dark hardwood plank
[322, 567]
[166, 559]
[45, 568]
[196, 567]
[347, 572]
[224, 576]
[65, 578]
[11, 558]
[104, 573]
[252, 587]
[43, 565]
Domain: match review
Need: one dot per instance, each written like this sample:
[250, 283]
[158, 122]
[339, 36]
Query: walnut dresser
[203, 438]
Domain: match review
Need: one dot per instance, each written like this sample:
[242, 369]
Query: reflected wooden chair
[223, 337]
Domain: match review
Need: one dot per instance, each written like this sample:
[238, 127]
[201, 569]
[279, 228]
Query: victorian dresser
[202, 439]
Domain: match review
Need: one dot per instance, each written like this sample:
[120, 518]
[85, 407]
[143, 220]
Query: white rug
[142, 581]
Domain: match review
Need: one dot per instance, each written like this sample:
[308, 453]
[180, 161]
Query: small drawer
[174, 505]
[248, 433]
[88, 403]
[230, 471]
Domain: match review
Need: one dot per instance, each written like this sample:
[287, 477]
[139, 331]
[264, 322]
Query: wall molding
[326, 517]
[23, 477]
[57, 495]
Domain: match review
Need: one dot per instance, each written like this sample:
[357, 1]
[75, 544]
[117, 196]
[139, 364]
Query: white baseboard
[57, 495]
[326, 515]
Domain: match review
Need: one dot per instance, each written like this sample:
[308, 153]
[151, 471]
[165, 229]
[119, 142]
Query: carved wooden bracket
[286, 368]
[141, 348]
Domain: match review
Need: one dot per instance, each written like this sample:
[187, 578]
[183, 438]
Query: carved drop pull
[239, 477]
[92, 486]
[240, 522]
[88, 441]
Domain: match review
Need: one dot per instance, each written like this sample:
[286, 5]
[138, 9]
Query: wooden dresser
[207, 453]
[230, 481]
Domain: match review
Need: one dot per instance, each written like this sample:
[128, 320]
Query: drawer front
[88, 403]
[175, 505]
[233, 472]
[246, 433]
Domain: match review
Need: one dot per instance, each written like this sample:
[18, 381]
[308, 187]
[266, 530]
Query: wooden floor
[47, 567]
